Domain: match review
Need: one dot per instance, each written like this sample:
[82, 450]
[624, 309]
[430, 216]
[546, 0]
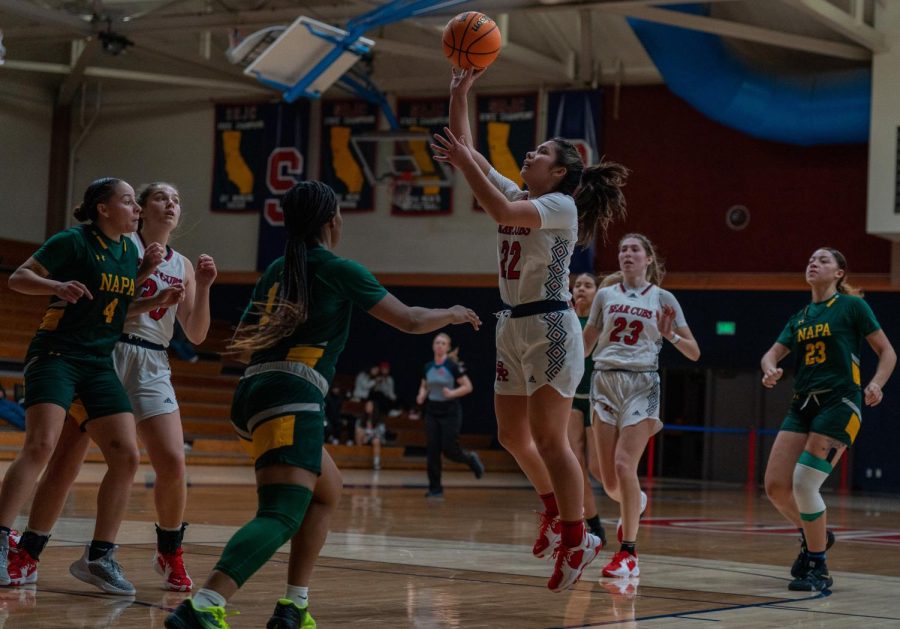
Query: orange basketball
[471, 40]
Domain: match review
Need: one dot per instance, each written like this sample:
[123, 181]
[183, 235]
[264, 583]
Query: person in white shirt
[539, 354]
[630, 317]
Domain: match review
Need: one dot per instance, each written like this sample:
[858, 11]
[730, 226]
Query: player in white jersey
[630, 317]
[143, 367]
[539, 355]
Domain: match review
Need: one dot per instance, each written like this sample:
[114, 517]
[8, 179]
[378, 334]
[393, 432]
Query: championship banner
[246, 136]
[507, 130]
[575, 115]
[259, 155]
[342, 168]
[429, 116]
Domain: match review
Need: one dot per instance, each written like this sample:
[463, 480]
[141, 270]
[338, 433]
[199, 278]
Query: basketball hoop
[401, 185]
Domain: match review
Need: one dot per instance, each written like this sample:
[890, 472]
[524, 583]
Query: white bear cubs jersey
[629, 337]
[157, 326]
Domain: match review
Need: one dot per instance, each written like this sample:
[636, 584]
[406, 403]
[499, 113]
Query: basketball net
[401, 189]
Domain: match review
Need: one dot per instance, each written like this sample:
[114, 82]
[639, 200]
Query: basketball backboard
[303, 59]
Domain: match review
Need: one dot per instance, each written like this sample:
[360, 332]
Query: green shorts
[280, 420]
[57, 379]
[835, 414]
[583, 404]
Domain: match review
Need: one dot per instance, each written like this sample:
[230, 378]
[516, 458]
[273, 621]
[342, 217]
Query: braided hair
[597, 190]
[100, 191]
[307, 207]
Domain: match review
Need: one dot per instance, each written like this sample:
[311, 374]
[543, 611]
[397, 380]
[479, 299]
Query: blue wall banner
[341, 166]
[260, 152]
[428, 115]
[575, 115]
[507, 130]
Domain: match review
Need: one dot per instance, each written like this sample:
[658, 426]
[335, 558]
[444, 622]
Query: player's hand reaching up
[461, 80]
[450, 149]
[771, 376]
[461, 314]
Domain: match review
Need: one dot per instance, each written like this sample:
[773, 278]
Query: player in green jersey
[825, 415]
[584, 288]
[89, 271]
[296, 327]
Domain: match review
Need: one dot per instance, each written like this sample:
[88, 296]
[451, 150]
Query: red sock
[549, 501]
[571, 533]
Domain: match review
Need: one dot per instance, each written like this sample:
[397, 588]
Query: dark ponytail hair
[100, 191]
[597, 191]
[307, 207]
[842, 286]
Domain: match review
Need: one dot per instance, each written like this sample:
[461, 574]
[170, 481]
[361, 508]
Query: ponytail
[843, 287]
[597, 191]
[599, 200]
[100, 191]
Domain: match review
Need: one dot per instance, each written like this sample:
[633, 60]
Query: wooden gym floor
[395, 559]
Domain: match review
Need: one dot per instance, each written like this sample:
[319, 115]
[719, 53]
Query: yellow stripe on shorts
[852, 427]
[78, 412]
[309, 355]
[274, 433]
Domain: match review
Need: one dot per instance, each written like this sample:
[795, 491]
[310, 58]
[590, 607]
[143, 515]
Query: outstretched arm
[460, 83]
[417, 320]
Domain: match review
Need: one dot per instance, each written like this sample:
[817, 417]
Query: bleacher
[204, 390]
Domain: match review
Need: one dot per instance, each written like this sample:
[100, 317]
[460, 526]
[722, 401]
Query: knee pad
[285, 504]
[810, 473]
[281, 510]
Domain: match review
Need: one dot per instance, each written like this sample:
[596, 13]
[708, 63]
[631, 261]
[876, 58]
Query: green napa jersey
[89, 327]
[336, 285]
[825, 338]
[585, 385]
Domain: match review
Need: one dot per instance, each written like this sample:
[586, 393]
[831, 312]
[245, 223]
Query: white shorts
[147, 379]
[537, 350]
[626, 398]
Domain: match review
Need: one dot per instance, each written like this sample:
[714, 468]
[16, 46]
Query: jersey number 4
[815, 353]
[511, 252]
[618, 332]
[110, 310]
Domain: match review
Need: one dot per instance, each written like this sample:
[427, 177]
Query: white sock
[208, 598]
[299, 595]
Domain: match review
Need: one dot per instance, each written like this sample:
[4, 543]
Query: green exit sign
[726, 328]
